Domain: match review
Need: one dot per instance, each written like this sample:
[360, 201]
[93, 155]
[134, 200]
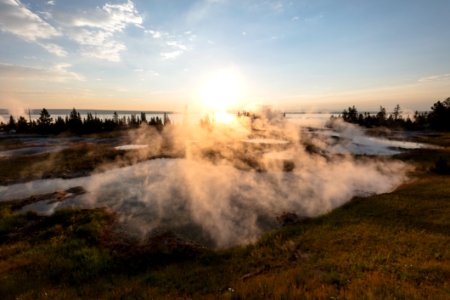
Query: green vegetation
[389, 246]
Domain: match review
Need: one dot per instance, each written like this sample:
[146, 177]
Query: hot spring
[215, 195]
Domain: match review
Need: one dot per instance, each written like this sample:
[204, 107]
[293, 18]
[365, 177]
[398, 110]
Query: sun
[221, 90]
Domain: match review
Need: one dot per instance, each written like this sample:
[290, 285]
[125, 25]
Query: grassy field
[388, 246]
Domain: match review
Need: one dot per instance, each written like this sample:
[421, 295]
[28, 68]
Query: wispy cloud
[272, 6]
[154, 33]
[145, 74]
[96, 30]
[54, 49]
[174, 48]
[172, 45]
[110, 17]
[98, 44]
[171, 54]
[177, 45]
[438, 77]
[277, 6]
[202, 10]
[110, 50]
[58, 72]
[17, 19]
[313, 20]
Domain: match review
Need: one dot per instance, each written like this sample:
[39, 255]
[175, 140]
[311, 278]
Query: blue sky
[294, 55]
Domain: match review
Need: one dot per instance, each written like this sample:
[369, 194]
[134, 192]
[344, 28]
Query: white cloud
[110, 18]
[145, 73]
[174, 48]
[155, 34]
[438, 77]
[54, 49]
[17, 19]
[95, 30]
[172, 45]
[110, 50]
[57, 73]
[171, 54]
[90, 37]
[64, 74]
[177, 45]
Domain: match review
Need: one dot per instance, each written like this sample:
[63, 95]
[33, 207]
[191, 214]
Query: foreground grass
[393, 245]
[389, 246]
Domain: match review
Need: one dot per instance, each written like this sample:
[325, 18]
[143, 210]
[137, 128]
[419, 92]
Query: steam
[15, 107]
[224, 190]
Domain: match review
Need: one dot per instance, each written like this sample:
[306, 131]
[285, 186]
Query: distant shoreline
[66, 111]
[57, 111]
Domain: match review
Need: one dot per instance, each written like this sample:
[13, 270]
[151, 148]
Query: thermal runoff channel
[224, 182]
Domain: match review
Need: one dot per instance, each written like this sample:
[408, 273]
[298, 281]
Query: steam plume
[224, 190]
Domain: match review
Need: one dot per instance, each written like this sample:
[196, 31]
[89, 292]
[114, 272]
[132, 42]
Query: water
[225, 204]
[34, 114]
[176, 117]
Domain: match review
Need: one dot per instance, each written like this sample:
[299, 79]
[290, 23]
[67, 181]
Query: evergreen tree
[381, 116]
[397, 114]
[11, 124]
[22, 125]
[439, 117]
[44, 122]
[143, 117]
[75, 123]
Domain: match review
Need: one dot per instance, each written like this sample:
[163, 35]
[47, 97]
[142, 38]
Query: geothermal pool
[216, 205]
[219, 205]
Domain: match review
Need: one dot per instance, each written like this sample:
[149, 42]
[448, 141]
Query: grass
[388, 246]
[78, 160]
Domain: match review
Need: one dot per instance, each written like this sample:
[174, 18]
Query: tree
[11, 124]
[75, 124]
[143, 117]
[44, 120]
[397, 114]
[22, 125]
[60, 125]
[439, 117]
[381, 116]
[350, 115]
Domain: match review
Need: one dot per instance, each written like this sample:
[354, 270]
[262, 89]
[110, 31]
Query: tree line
[74, 123]
[436, 119]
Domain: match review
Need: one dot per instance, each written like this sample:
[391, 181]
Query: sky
[321, 55]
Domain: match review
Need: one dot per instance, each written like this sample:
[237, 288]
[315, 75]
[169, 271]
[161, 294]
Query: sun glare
[221, 91]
